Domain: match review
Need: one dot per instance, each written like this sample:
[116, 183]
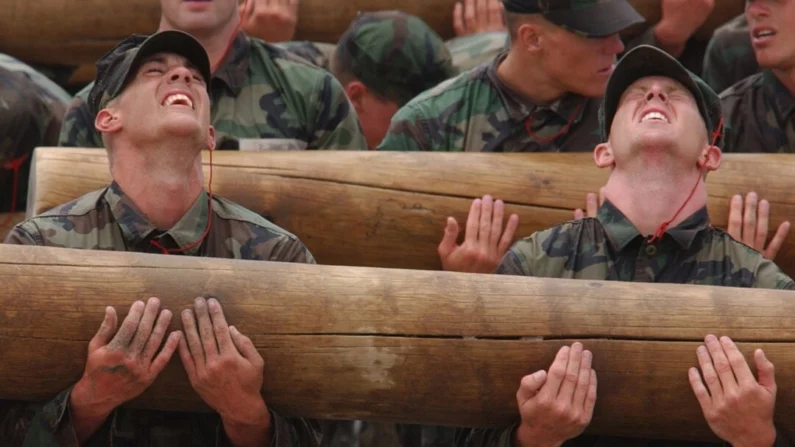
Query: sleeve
[78, 126]
[52, 426]
[292, 432]
[770, 276]
[20, 235]
[291, 249]
[781, 441]
[406, 132]
[517, 261]
[336, 124]
[476, 437]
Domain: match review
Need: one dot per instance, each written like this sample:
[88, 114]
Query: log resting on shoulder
[396, 345]
[388, 209]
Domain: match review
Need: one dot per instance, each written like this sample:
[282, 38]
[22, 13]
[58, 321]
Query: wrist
[766, 438]
[249, 425]
[523, 437]
[82, 402]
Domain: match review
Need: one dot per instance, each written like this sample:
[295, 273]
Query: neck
[163, 183]
[787, 78]
[215, 41]
[648, 200]
[526, 78]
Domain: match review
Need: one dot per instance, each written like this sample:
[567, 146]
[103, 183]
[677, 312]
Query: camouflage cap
[590, 18]
[395, 54]
[116, 68]
[646, 60]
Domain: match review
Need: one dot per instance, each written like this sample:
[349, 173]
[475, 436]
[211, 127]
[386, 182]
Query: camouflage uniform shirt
[476, 111]
[108, 220]
[760, 115]
[262, 98]
[609, 247]
[730, 56]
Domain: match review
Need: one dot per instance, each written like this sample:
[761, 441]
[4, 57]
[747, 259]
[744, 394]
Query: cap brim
[600, 19]
[174, 42]
[644, 61]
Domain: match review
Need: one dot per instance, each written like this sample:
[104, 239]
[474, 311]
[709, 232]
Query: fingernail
[702, 350]
[538, 375]
[586, 355]
[187, 313]
[711, 338]
[233, 329]
[726, 340]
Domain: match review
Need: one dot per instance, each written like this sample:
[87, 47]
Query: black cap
[646, 60]
[589, 18]
[116, 67]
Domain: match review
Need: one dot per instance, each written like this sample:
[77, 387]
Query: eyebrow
[163, 60]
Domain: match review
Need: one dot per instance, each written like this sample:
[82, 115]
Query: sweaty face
[658, 121]
[167, 98]
[772, 27]
[198, 17]
[580, 65]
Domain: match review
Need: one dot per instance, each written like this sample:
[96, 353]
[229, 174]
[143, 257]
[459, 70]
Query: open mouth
[178, 99]
[762, 34]
[654, 116]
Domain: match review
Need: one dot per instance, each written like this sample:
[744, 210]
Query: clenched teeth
[178, 98]
[654, 116]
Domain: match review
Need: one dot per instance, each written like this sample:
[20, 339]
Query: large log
[49, 31]
[388, 209]
[396, 345]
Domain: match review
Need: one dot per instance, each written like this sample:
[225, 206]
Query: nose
[656, 91]
[180, 73]
[756, 9]
[613, 45]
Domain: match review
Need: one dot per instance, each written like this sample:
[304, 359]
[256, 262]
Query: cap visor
[175, 42]
[599, 19]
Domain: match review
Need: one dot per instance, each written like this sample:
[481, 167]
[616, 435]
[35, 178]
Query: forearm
[252, 429]
[86, 417]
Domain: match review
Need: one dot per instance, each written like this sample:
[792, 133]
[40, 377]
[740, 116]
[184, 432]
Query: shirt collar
[136, 228]
[520, 110]
[780, 97]
[621, 231]
[234, 69]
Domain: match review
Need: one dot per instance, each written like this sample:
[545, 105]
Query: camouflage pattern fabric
[108, 220]
[476, 111]
[262, 98]
[30, 116]
[476, 49]
[760, 115]
[54, 90]
[394, 54]
[609, 247]
[730, 56]
[467, 51]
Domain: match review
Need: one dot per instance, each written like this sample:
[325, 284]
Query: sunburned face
[167, 98]
[658, 122]
[199, 17]
[772, 27]
[578, 64]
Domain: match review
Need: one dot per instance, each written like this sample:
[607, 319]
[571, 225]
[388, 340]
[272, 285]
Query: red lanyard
[15, 164]
[562, 131]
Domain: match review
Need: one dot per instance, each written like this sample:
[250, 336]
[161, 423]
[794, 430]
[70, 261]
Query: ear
[108, 120]
[211, 139]
[603, 156]
[356, 92]
[529, 37]
[710, 158]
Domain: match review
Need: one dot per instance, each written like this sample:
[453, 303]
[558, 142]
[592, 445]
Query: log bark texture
[396, 345]
[388, 209]
[49, 31]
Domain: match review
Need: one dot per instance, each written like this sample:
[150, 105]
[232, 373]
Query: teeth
[654, 116]
[178, 98]
[766, 33]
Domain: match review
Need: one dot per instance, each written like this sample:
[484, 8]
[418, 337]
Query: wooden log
[396, 345]
[7, 222]
[48, 31]
[391, 207]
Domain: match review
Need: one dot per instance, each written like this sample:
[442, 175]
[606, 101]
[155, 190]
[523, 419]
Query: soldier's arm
[406, 132]
[287, 432]
[770, 276]
[316, 53]
[336, 124]
[680, 20]
[52, 426]
[290, 249]
[24, 234]
[78, 126]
